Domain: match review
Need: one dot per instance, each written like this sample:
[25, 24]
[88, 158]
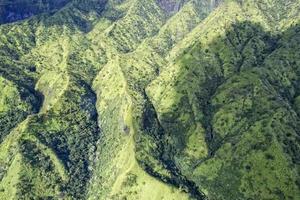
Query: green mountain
[150, 99]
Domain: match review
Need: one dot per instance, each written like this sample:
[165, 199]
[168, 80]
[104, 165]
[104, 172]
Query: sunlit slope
[232, 88]
[156, 99]
[62, 66]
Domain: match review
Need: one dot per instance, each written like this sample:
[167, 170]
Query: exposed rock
[171, 6]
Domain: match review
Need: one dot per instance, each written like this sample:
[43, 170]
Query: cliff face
[171, 5]
[14, 10]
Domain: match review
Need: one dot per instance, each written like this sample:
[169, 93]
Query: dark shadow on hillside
[72, 16]
[68, 13]
[245, 48]
[15, 10]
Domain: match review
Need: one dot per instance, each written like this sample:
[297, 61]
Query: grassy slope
[212, 84]
[191, 129]
[50, 162]
[116, 128]
[62, 63]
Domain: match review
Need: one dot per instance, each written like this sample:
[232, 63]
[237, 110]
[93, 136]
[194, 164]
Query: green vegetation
[150, 99]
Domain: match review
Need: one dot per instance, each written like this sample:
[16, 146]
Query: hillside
[150, 99]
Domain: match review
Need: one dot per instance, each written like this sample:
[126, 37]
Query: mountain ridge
[151, 100]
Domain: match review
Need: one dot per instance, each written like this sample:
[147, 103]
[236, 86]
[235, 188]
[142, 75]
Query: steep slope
[224, 88]
[151, 99]
[53, 143]
[52, 135]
